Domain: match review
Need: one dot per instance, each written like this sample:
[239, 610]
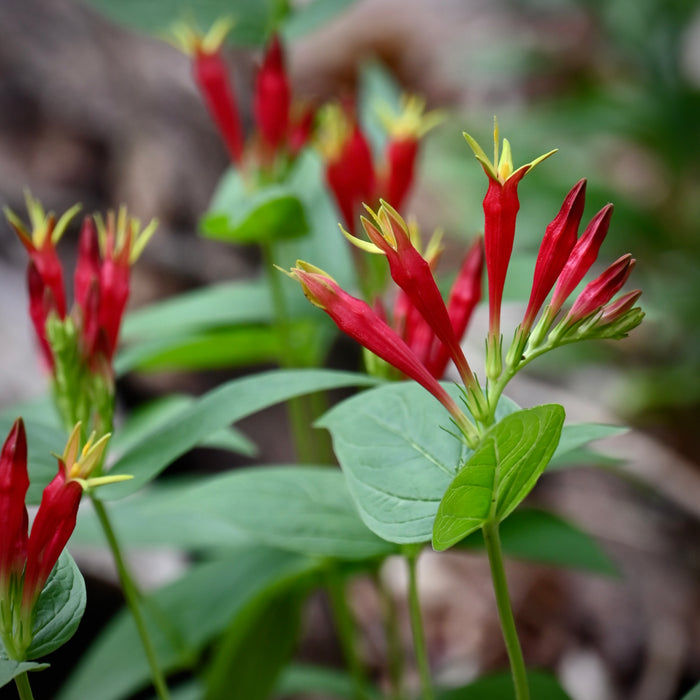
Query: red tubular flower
[412, 273]
[212, 78]
[355, 318]
[41, 304]
[51, 530]
[87, 270]
[501, 207]
[400, 161]
[350, 174]
[618, 308]
[405, 130]
[601, 290]
[272, 97]
[464, 297]
[557, 244]
[582, 257]
[14, 483]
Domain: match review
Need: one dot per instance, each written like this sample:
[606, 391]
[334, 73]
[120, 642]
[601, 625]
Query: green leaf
[218, 408]
[233, 303]
[151, 417]
[693, 694]
[499, 686]
[253, 18]
[182, 619]
[298, 679]
[147, 519]
[500, 473]
[239, 215]
[236, 346]
[10, 669]
[543, 537]
[59, 609]
[571, 449]
[254, 649]
[396, 457]
[302, 509]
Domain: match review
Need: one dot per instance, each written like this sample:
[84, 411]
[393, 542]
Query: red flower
[14, 483]
[557, 244]
[582, 257]
[272, 97]
[212, 78]
[412, 273]
[355, 318]
[45, 272]
[501, 207]
[601, 290]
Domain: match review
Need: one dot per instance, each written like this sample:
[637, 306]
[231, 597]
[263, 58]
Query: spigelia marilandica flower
[389, 235]
[282, 128]
[501, 205]
[352, 174]
[356, 318]
[212, 78]
[27, 558]
[45, 273]
[79, 347]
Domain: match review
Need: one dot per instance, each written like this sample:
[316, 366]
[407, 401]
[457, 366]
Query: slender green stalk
[23, 688]
[417, 628]
[345, 628]
[505, 612]
[131, 595]
[298, 418]
[393, 639]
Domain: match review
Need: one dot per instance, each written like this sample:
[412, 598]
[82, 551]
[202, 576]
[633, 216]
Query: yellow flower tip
[41, 224]
[367, 246]
[435, 247]
[481, 156]
[186, 37]
[412, 121]
[95, 482]
[334, 127]
[141, 239]
[90, 455]
[505, 164]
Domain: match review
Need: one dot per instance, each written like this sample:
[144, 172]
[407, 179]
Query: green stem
[299, 421]
[505, 612]
[419, 646]
[23, 688]
[131, 595]
[345, 627]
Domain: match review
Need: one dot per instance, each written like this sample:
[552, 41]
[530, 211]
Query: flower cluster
[352, 175]
[281, 128]
[79, 347]
[27, 558]
[426, 331]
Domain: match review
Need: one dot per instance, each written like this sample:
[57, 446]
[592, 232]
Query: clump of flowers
[78, 347]
[353, 175]
[282, 128]
[27, 558]
[563, 261]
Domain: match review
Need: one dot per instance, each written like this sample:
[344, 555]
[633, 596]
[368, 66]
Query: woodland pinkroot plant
[507, 449]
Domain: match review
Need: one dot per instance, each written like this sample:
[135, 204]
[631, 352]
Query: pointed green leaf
[182, 618]
[59, 609]
[693, 694]
[397, 456]
[218, 408]
[499, 474]
[303, 509]
[10, 669]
